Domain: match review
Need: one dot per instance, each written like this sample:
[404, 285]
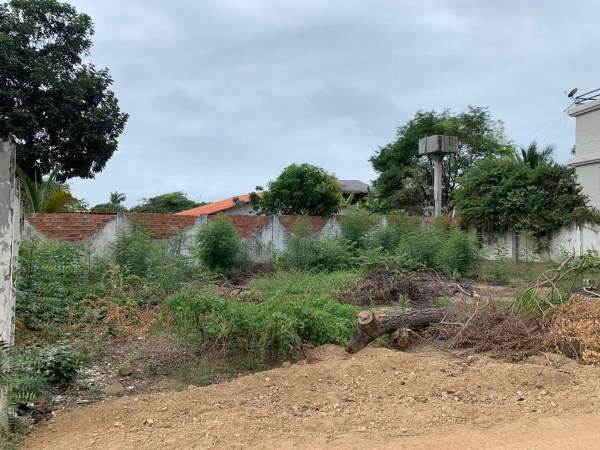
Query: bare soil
[378, 398]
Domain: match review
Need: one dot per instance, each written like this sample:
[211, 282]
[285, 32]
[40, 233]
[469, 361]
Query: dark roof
[354, 186]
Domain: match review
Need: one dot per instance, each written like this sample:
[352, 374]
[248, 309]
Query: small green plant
[442, 302]
[219, 246]
[60, 364]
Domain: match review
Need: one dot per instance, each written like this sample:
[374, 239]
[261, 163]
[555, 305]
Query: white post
[9, 239]
[436, 161]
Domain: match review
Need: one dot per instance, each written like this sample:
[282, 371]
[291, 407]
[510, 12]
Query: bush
[268, 331]
[53, 278]
[311, 253]
[441, 247]
[60, 284]
[219, 246]
[133, 249]
[420, 247]
[60, 365]
[357, 225]
[457, 255]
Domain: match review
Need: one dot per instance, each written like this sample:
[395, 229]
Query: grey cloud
[224, 93]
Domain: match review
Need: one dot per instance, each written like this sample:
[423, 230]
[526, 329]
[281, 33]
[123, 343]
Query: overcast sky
[223, 94]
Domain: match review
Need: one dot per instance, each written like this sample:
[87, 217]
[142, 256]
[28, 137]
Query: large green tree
[171, 202]
[405, 178]
[511, 194]
[58, 109]
[300, 189]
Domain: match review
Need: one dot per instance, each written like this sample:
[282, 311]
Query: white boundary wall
[10, 234]
[271, 238]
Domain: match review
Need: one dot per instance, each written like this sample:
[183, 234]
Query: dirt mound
[575, 330]
[384, 287]
[376, 398]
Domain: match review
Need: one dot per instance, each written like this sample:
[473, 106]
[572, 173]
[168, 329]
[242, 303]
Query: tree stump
[377, 322]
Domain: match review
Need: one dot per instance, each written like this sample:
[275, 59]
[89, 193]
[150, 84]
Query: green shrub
[441, 247]
[272, 330]
[420, 247]
[133, 249]
[457, 254]
[60, 364]
[311, 253]
[219, 246]
[30, 375]
[53, 278]
[356, 226]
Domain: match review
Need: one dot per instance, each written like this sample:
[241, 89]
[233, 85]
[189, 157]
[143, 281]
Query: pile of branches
[478, 325]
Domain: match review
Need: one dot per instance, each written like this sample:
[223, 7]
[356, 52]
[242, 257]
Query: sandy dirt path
[376, 399]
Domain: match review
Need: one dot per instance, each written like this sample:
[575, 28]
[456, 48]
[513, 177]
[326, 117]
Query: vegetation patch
[270, 331]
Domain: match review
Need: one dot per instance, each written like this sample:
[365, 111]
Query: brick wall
[71, 227]
[263, 234]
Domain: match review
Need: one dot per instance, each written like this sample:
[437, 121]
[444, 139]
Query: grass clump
[303, 283]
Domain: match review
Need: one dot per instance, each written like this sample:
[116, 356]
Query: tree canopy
[300, 189]
[58, 109]
[171, 202]
[503, 193]
[405, 178]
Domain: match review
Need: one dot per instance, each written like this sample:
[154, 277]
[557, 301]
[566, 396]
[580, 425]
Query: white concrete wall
[271, 240]
[10, 234]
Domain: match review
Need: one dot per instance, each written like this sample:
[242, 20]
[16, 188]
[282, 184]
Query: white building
[587, 148]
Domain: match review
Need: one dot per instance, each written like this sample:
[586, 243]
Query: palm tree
[534, 157]
[48, 196]
[116, 198]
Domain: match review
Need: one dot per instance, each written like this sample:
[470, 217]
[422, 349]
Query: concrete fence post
[10, 233]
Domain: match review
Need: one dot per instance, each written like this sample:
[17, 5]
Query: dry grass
[487, 329]
[575, 330]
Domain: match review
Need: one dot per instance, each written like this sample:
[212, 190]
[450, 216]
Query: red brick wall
[247, 226]
[78, 226]
[162, 226]
[69, 226]
[315, 223]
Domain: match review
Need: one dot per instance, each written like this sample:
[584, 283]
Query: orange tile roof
[215, 207]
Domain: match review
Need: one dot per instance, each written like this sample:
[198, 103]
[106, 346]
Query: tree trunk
[376, 322]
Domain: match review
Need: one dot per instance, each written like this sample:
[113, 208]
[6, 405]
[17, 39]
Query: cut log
[377, 322]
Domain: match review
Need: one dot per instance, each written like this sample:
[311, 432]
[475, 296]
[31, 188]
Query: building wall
[241, 210]
[587, 149]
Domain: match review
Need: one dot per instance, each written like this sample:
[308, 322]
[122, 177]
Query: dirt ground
[378, 398]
